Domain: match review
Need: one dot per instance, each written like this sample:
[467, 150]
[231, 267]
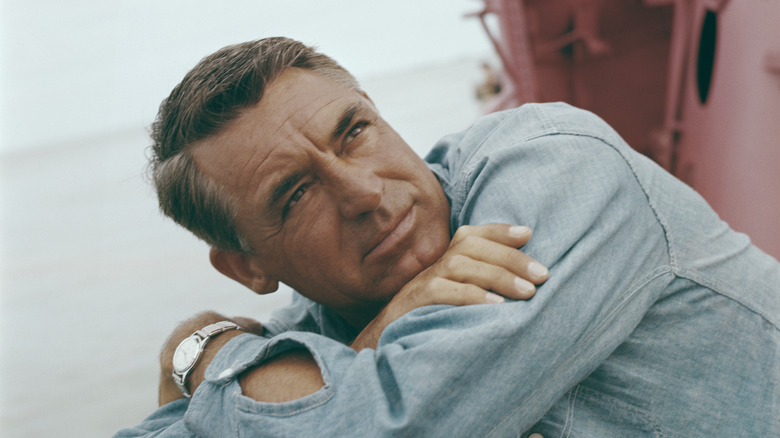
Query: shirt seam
[717, 288]
[559, 130]
[677, 269]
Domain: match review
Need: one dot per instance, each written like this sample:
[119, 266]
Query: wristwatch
[189, 351]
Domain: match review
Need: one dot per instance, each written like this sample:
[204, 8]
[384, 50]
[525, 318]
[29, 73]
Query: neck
[370, 326]
[360, 319]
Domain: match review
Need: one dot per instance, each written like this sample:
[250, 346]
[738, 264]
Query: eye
[355, 131]
[295, 198]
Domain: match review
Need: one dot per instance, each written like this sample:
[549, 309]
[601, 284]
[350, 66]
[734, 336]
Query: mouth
[390, 239]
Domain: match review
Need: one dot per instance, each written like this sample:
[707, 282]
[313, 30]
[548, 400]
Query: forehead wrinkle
[292, 133]
[284, 171]
[318, 139]
[321, 137]
[276, 187]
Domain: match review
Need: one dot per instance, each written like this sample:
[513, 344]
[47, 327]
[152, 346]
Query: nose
[357, 190]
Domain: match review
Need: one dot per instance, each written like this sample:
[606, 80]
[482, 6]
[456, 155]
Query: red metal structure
[694, 84]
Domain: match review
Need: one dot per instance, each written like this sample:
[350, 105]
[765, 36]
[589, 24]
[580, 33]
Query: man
[657, 319]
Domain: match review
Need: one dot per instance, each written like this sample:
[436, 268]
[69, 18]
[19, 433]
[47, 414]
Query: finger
[505, 234]
[461, 294]
[498, 254]
[489, 277]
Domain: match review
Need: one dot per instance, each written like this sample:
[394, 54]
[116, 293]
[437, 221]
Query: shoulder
[560, 170]
[539, 155]
[515, 127]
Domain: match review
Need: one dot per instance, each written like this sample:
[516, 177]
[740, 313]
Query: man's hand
[168, 389]
[481, 266]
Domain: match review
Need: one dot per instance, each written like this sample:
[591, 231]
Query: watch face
[185, 354]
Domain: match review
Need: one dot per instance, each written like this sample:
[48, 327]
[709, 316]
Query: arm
[168, 391]
[168, 421]
[479, 259]
[481, 266]
[293, 380]
[468, 248]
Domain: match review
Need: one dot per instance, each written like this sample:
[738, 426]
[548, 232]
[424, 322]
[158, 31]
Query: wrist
[198, 373]
[193, 351]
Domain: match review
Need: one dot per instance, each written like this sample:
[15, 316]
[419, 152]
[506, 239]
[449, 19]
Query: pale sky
[84, 68]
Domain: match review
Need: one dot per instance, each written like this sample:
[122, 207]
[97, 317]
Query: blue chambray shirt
[657, 319]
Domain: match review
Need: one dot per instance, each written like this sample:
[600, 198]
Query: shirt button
[535, 435]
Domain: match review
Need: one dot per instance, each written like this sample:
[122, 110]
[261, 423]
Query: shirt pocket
[585, 412]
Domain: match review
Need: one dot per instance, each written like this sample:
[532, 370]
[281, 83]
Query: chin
[412, 262]
[415, 261]
[392, 282]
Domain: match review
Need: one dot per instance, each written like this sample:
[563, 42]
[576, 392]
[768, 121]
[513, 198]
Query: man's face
[334, 202]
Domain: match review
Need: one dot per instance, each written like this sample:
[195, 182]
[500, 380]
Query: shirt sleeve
[489, 370]
[165, 422]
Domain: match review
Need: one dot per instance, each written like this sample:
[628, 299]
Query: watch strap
[213, 329]
[204, 335]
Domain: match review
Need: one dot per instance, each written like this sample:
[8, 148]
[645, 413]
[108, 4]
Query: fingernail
[492, 298]
[523, 286]
[536, 270]
[518, 231]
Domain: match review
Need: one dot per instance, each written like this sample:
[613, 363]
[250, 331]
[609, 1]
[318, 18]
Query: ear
[243, 268]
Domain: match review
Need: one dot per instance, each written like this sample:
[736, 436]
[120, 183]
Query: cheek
[313, 242]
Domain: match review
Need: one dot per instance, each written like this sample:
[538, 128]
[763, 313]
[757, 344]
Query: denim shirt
[657, 318]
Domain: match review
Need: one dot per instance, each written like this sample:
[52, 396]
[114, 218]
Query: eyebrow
[345, 121]
[284, 186]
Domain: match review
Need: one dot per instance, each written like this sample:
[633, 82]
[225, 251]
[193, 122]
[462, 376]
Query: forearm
[168, 390]
[439, 362]
[481, 266]
[461, 365]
